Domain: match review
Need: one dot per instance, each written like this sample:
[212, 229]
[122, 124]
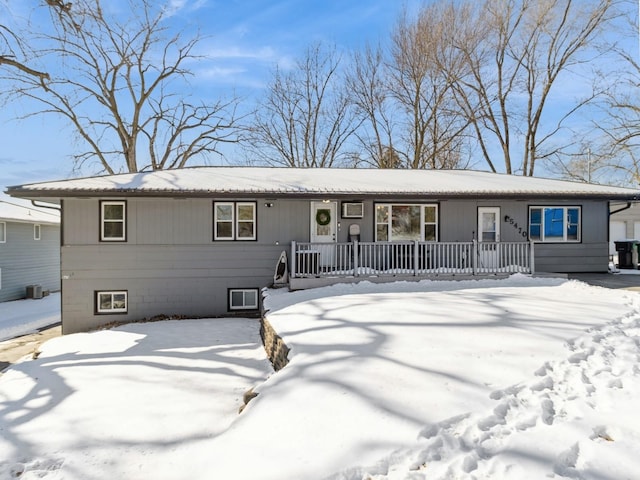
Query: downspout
[52, 207]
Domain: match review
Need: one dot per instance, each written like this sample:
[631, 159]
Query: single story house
[204, 241]
[29, 250]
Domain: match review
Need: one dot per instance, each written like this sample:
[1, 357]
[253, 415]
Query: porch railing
[410, 258]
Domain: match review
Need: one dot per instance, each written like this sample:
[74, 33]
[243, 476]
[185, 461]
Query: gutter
[629, 205]
[49, 206]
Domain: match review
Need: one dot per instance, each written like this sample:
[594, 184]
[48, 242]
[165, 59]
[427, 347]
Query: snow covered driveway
[504, 379]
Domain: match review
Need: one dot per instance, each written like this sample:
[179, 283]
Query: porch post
[532, 261]
[293, 259]
[474, 254]
[355, 259]
[415, 258]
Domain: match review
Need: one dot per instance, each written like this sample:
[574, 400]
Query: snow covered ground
[21, 317]
[504, 379]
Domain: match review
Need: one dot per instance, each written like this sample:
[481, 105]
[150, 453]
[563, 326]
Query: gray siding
[25, 261]
[170, 264]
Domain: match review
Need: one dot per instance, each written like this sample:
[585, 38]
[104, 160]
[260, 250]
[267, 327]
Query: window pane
[405, 222]
[224, 212]
[104, 299]
[382, 214]
[251, 298]
[245, 212]
[113, 212]
[429, 214]
[245, 230]
[119, 301]
[430, 233]
[382, 233]
[554, 223]
[535, 216]
[237, 298]
[534, 232]
[3, 232]
[113, 230]
[224, 230]
[573, 218]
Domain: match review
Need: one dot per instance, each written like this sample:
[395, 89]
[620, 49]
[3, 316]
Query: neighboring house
[29, 249]
[624, 223]
[204, 241]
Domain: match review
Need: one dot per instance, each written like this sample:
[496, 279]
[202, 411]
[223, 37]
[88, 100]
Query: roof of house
[307, 182]
[14, 212]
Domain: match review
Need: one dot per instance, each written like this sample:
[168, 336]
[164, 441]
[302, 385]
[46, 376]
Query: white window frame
[112, 293]
[37, 231]
[565, 217]
[122, 238]
[235, 221]
[252, 221]
[3, 232]
[245, 305]
[423, 222]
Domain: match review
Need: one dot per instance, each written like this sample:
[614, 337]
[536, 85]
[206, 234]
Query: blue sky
[244, 40]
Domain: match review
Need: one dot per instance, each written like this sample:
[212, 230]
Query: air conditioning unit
[34, 291]
[352, 209]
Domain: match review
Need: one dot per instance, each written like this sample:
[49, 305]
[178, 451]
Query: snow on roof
[14, 212]
[313, 181]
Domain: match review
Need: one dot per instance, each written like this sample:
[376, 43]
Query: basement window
[111, 302]
[243, 299]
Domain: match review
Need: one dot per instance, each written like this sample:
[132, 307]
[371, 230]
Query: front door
[488, 237]
[323, 230]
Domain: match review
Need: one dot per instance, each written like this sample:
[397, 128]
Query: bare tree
[423, 89]
[516, 52]
[368, 83]
[609, 152]
[405, 97]
[13, 51]
[117, 82]
[306, 117]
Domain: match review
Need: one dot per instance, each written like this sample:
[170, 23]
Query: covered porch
[318, 264]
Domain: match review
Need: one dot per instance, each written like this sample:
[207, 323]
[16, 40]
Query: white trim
[239, 221]
[245, 298]
[423, 222]
[122, 220]
[564, 239]
[112, 293]
[496, 213]
[232, 220]
[37, 231]
[3, 232]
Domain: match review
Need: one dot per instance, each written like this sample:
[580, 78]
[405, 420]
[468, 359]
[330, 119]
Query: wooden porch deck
[316, 264]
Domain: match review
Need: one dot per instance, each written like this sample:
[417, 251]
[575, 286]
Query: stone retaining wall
[277, 350]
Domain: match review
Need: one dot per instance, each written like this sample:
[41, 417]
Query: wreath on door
[323, 217]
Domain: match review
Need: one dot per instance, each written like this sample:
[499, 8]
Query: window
[3, 232]
[243, 299]
[111, 302]
[113, 221]
[234, 221]
[36, 232]
[554, 224]
[397, 223]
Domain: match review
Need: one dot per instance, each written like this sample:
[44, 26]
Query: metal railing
[409, 258]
